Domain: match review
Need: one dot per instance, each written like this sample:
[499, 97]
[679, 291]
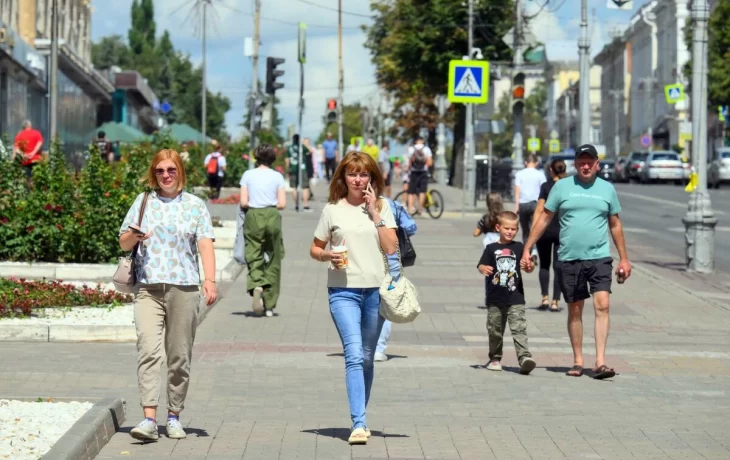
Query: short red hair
[150, 179]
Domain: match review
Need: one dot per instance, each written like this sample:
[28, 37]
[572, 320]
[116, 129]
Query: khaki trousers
[172, 311]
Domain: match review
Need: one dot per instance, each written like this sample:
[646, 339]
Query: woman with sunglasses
[174, 227]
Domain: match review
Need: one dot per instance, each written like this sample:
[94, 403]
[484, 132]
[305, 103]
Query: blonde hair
[356, 162]
[150, 178]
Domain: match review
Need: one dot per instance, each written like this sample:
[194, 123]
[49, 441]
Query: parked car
[635, 165]
[621, 170]
[664, 166]
[569, 164]
[718, 171]
[607, 170]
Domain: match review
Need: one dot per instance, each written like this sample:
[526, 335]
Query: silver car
[719, 170]
[664, 166]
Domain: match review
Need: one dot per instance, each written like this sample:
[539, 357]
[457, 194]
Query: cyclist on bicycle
[418, 161]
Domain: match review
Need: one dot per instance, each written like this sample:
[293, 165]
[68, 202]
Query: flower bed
[19, 297]
[230, 199]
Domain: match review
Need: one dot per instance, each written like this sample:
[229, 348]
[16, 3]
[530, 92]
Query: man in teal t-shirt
[587, 208]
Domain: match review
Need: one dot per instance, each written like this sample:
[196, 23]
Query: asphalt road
[652, 215]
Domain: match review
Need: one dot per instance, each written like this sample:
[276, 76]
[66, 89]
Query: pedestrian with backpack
[404, 221]
[215, 167]
[419, 160]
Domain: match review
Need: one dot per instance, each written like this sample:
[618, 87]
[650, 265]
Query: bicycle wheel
[437, 208]
[399, 196]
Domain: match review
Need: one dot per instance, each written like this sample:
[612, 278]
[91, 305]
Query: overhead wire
[329, 8]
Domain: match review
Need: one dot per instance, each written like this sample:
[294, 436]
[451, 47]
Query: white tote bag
[398, 299]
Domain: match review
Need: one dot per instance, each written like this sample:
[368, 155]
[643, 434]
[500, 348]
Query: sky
[231, 21]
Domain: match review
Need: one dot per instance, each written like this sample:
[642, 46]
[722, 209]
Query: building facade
[24, 71]
[615, 61]
[568, 113]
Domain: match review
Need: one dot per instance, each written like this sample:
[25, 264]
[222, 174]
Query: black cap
[586, 149]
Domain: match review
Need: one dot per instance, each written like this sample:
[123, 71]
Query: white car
[719, 170]
[664, 166]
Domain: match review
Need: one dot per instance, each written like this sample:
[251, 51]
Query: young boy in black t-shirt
[500, 263]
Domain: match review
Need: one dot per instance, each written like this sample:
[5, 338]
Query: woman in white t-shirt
[358, 224]
[262, 197]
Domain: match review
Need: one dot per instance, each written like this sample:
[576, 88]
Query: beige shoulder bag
[398, 299]
[125, 277]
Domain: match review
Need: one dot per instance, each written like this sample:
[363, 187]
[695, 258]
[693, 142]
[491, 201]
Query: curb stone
[86, 438]
[674, 285]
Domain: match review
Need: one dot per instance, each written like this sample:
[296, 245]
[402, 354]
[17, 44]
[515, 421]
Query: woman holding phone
[359, 227]
[175, 226]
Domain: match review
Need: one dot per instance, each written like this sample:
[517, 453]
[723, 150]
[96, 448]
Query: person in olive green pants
[263, 196]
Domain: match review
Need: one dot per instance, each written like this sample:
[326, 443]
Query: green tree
[411, 43]
[718, 55]
[142, 33]
[351, 125]
[111, 51]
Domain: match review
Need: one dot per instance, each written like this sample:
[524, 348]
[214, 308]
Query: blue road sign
[645, 140]
[165, 107]
[468, 81]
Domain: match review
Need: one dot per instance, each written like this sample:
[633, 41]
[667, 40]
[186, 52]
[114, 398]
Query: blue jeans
[384, 336]
[355, 312]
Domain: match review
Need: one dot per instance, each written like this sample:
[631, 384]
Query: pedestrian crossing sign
[554, 146]
[533, 144]
[674, 93]
[468, 81]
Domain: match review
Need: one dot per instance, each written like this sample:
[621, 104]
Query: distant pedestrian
[527, 191]
[359, 226]
[549, 242]
[386, 167]
[487, 225]
[353, 147]
[587, 209]
[319, 161]
[263, 196]
[371, 149]
[293, 167]
[174, 227]
[330, 155]
[419, 160]
[28, 144]
[500, 263]
[104, 146]
[215, 168]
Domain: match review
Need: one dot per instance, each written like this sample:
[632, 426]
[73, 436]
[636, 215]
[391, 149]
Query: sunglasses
[170, 172]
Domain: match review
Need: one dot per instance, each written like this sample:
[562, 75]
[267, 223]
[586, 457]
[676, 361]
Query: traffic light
[272, 74]
[331, 110]
[518, 90]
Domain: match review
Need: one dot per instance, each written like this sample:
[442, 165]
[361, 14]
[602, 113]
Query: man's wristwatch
[380, 224]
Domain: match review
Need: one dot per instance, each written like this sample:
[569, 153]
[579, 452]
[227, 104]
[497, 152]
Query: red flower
[245, 157]
[49, 207]
[30, 229]
[106, 194]
[3, 220]
[58, 208]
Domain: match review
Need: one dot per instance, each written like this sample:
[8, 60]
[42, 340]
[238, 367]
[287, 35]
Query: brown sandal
[575, 371]
[603, 372]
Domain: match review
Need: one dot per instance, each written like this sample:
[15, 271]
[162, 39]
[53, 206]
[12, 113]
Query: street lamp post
[700, 220]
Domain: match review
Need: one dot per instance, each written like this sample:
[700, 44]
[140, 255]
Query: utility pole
[518, 111]
[649, 102]
[616, 95]
[469, 186]
[53, 103]
[341, 83]
[254, 84]
[440, 163]
[584, 47]
[700, 219]
[205, 78]
[300, 154]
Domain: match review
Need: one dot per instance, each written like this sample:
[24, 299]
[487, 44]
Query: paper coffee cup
[341, 249]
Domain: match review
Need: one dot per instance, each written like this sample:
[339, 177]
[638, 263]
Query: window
[665, 157]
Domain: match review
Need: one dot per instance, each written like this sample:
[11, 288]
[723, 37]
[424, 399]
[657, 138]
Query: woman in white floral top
[174, 227]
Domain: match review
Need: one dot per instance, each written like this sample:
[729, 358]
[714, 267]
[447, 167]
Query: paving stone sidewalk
[274, 388]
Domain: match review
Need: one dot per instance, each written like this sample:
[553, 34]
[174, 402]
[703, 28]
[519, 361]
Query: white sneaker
[146, 430]
[257, 304]
[533, 256]
[494, 366]
[380, 357]
[269, 313]
[175, 429]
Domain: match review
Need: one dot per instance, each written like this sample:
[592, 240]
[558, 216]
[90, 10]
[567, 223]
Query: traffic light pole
[254, 85]
[700, 219]
[469, 186]
[300, 154]
[517, 109]
[584, 46]
[341, 84]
